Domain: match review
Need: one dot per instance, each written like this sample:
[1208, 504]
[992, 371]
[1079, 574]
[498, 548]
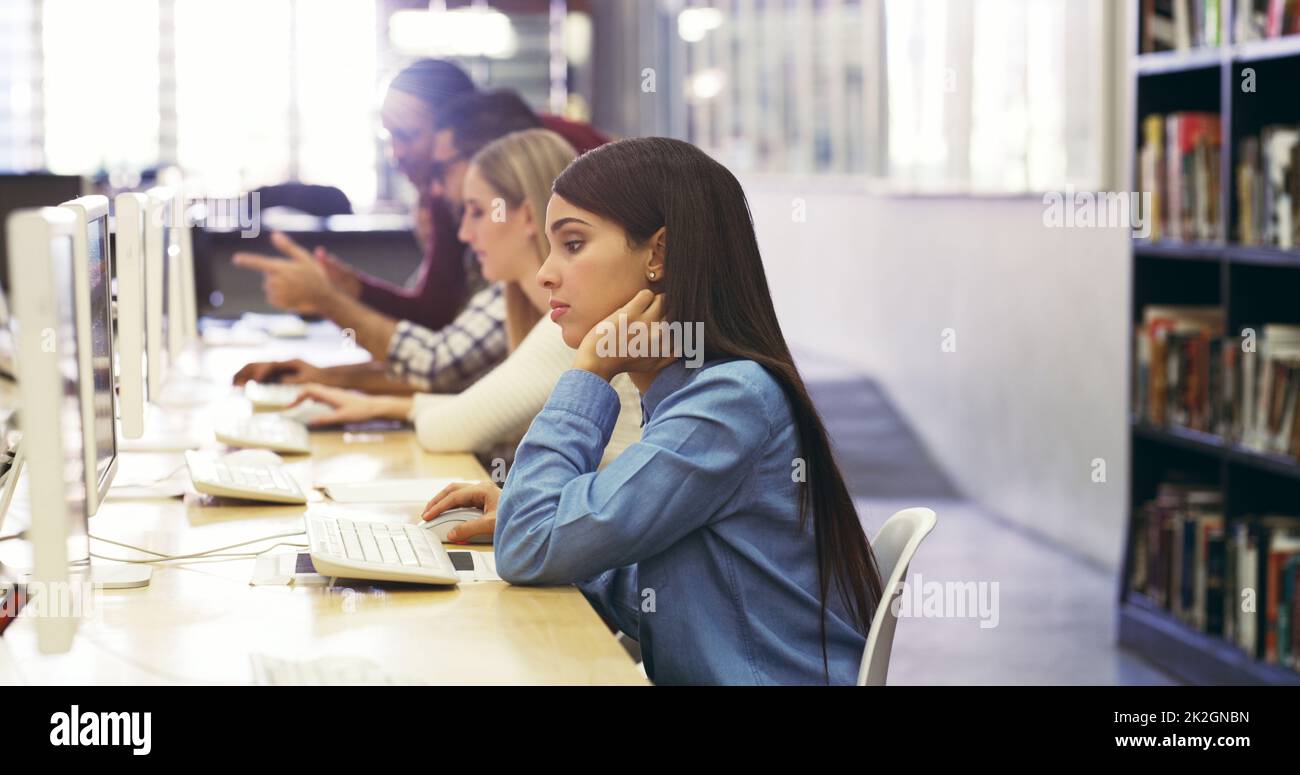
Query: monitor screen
[6, 341]
[101, 342]
[31, 190]
[69, 405]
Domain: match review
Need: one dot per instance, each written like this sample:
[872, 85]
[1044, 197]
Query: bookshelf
[1253, 285]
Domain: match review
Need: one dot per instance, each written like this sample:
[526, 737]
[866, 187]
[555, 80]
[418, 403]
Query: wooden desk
[199, 622]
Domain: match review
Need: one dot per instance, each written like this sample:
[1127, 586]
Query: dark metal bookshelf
[1216, 446]
[1254, 285]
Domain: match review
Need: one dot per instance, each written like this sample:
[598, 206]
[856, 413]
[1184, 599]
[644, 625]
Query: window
[928, 95]
[100, 64]
[134, 84]
[20, 92]
[337, 97]
[231, 87]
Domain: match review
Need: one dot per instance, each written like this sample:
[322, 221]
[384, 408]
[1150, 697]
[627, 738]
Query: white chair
[894, 546]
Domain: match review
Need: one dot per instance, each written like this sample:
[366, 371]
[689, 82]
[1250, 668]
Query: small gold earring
[652, 275]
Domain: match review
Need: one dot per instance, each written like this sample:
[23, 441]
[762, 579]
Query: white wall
[1037, 386]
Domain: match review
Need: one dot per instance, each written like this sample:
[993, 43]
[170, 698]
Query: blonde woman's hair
[521, 168]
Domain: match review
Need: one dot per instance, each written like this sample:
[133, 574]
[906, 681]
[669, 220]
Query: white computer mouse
[252, 457]
[307, 412]
[444, 522]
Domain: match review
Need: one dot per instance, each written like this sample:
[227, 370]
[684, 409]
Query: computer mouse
[444, 522]
[252, 457]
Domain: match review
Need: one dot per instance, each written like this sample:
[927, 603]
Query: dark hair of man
[475, 120]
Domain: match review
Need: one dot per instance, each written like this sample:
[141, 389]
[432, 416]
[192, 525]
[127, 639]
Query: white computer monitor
[92, 276]
[189, 294]
[173, 271]
[155, 284]
[128, 217]
[41, 271]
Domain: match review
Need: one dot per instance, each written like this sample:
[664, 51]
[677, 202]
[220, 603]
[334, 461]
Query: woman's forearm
[371, 330]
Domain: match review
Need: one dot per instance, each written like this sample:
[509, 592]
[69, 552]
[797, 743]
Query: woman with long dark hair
[725, 541]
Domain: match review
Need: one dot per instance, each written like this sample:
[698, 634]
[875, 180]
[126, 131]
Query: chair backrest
[893, 546]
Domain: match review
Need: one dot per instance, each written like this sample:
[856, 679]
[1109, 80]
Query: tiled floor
[1055, 612]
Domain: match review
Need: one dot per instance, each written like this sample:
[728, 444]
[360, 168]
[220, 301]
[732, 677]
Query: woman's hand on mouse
[479, 495]
[603, 355]
[294, 372]
[350, 406]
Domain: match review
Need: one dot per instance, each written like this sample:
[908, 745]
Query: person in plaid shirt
[455, 356]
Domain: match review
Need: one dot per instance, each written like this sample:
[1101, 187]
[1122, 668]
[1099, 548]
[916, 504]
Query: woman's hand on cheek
[607, 350]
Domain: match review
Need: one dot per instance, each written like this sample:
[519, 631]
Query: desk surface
[199, 622]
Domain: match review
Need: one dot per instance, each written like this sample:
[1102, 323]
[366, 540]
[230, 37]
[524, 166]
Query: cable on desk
[170, 557]
[219, 557]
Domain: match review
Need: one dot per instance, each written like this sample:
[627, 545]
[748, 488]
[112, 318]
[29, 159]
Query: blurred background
[926, 94]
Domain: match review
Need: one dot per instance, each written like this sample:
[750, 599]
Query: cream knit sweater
[498, 408]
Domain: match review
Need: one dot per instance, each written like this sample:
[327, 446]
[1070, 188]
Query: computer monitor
[155, 284]
[41, 270]
[174, 309]
[128, 221]
[92, 278]
[189, 304]
[22, 191]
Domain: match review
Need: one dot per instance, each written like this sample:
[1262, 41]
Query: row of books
[1179, 164]
[1176, 350]
[1181, 24]
[1188, 374]
[1232, 579]
[1260, 19]
[1268, 187]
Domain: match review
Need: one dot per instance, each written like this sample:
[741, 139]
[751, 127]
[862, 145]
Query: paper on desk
[485, 568]
[161, 443]
[172, 488]
[386, 490]
[284, 569]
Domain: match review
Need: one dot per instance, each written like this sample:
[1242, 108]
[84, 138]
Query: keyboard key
[405, 553]
[353, 546]
[368, 546]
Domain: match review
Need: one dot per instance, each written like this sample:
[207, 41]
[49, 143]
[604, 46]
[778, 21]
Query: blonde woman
[506, 189]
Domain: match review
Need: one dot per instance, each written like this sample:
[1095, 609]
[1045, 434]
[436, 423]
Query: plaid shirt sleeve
[453, 357]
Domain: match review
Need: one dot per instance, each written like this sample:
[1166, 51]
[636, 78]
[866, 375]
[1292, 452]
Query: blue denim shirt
[689, 541]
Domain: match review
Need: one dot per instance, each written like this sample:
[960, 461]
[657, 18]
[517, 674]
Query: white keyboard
[326, 671]
[265, 432]
[271, 397]
[379, 551]
[213, 476]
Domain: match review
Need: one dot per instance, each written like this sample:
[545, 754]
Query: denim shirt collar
[666, 383]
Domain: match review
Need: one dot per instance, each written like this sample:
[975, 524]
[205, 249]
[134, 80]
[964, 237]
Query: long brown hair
[714, 274]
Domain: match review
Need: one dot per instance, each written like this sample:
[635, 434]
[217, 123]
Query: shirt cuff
[581, 393]
[399, 333]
